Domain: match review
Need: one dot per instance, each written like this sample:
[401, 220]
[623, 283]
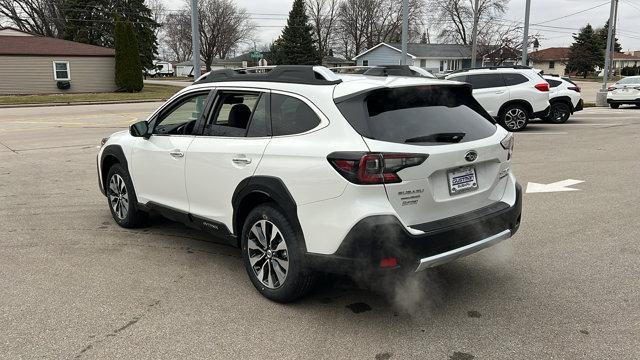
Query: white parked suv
[511, 94]
[565, 99]
[308, 173]
[625, 91]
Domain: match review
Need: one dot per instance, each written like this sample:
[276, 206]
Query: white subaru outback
[307, 173]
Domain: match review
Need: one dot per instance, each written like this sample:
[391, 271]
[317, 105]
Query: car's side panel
[158, 170]
[214, 167]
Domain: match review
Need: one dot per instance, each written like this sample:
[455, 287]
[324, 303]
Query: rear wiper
[441, 137]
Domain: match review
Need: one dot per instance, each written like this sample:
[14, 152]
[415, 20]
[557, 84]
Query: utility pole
[601, 97]
[610, 40]
[195, 39]
[474, 34]
[405, 30]
[613, 39]
[525, 38]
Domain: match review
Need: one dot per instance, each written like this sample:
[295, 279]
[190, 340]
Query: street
[75, 285]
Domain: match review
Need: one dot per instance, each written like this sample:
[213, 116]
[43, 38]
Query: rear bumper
[378, 237]
[579, 106]
[541, 114]
[622, 102]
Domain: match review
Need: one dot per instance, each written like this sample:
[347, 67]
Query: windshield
[423, 115]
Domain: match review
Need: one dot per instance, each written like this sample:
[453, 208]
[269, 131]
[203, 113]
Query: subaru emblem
[471, 156]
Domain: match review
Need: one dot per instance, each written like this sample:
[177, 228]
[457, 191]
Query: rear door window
[484, 81]
[424, 115]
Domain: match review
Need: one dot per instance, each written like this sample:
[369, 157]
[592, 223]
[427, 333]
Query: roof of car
[301, 79]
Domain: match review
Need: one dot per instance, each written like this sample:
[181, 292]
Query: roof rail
[295, 74]
[519, 67]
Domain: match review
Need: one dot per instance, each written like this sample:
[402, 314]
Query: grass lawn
[150, 92]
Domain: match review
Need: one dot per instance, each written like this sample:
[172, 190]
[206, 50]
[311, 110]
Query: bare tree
[454, 18]
[40, 17]
[177, 34]
[323, 16]
[365, 23]
[158, 12]
[223, 28]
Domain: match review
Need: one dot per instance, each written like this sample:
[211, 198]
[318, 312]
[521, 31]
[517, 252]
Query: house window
[552, 64]
[365, 62]
[61, 70]
[441, 65]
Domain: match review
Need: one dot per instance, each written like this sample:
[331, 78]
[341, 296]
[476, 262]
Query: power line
[572, 14]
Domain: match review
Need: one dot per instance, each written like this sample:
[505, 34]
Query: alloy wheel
[515, 119]
[118, 196]
[558, 113]
[268, 254]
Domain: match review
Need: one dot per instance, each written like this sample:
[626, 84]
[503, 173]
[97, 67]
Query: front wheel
[122, 198]
[273, 255]
[559, 113]
[514, 118]
[614, 106]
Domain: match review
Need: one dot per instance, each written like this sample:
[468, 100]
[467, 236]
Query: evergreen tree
[91, 22]
[585, 53]
[128, 74]
[296, 45]
[602, 35]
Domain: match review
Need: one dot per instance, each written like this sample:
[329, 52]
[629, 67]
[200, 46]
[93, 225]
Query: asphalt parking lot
[75, 285]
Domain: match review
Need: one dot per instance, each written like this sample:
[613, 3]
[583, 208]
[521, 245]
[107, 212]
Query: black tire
[614, 106]
[559, 113]
[269, 261]
[514, 117]
[122, 199]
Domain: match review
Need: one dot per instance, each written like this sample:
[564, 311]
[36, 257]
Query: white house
[435, 58]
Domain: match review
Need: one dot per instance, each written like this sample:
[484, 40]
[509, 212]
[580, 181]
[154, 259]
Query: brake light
[611, 88]
[542, 86]
[575, 88]
[373, 168]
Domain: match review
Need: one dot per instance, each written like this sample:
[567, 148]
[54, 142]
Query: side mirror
[139, 129]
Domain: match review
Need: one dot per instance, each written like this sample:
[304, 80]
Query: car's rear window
[422, 115]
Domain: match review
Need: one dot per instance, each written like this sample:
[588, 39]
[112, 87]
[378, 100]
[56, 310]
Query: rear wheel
[273, 255]
[559, 113]
[614, 106]
[514, 118]
[122, 198]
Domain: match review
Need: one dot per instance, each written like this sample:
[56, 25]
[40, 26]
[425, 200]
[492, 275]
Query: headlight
[507, 143]
[103, 141]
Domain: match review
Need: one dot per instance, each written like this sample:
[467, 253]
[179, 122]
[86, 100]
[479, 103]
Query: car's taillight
[575, 88]
[373, 168]
[508, 143]
[542, 86]
[611, 88]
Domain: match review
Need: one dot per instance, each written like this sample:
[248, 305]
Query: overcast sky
[270, 16]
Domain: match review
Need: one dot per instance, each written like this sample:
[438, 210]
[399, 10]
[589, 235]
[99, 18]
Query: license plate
[462, 180]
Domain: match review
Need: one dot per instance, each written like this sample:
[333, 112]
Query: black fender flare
[111, 154]
[521, 102]
[564, 99]
[269, 187]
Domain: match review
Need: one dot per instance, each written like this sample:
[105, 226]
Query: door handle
[500, 92]
[241, 160]
[176, 153]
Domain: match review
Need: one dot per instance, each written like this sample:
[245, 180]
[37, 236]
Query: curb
[8, 106]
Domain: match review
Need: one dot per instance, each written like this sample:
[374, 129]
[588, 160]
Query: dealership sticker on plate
[462, 180]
